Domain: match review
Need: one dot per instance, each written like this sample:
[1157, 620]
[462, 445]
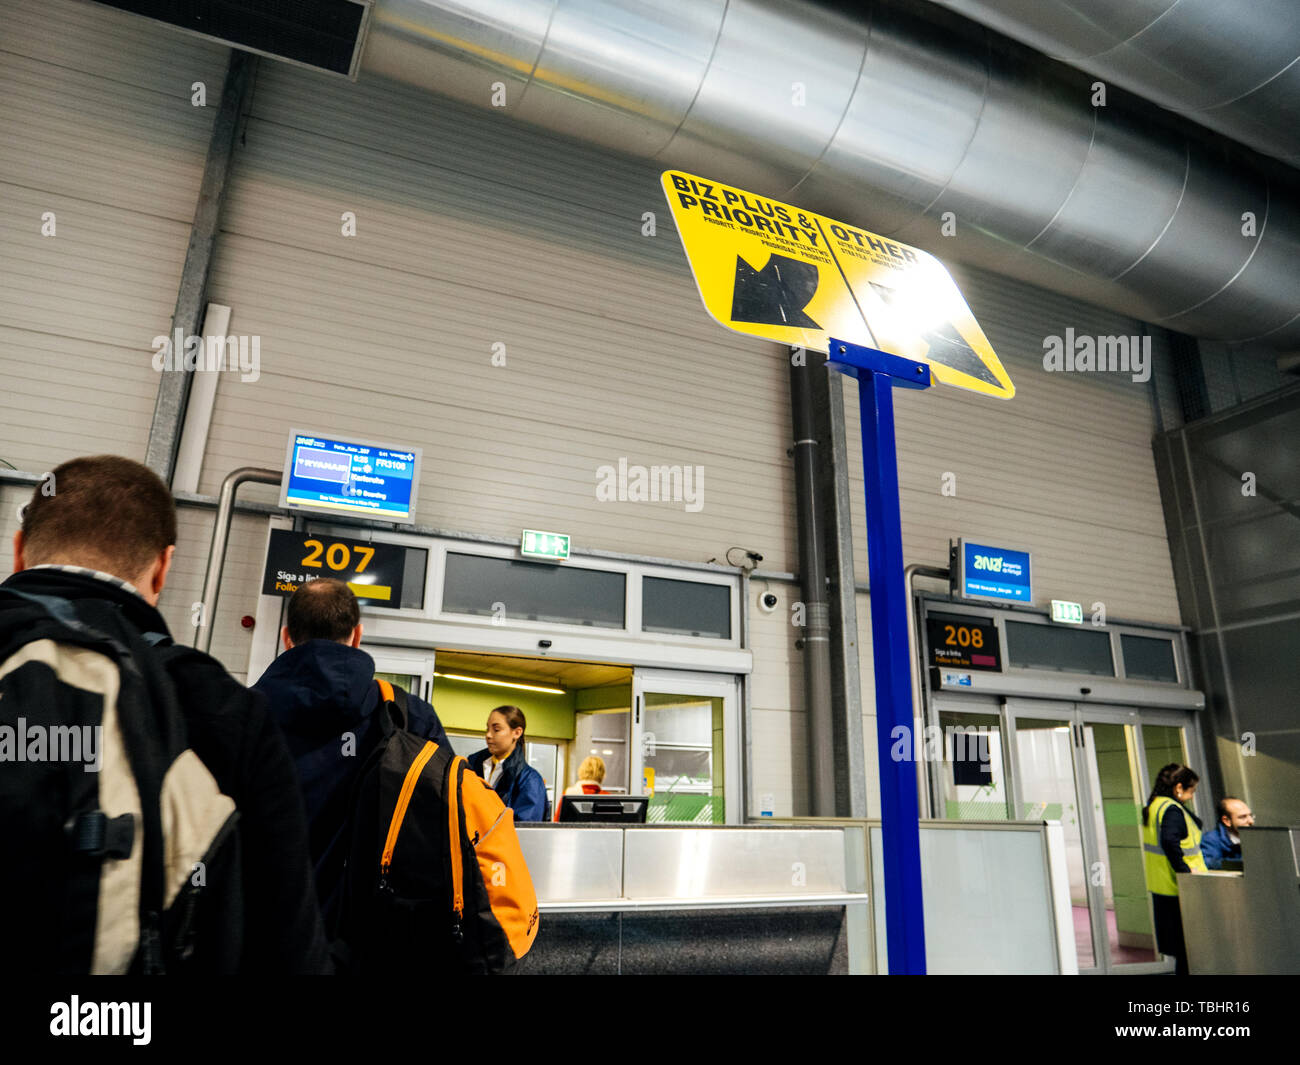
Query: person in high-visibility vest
[1171, 844]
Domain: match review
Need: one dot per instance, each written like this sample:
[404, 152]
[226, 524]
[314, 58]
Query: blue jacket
[317, 692]
[520, 786]
[1216, 846]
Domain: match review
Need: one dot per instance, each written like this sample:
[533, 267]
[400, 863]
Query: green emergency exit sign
[1070, 613]
[548, 545]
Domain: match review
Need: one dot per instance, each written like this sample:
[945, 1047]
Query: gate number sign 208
[961, 636]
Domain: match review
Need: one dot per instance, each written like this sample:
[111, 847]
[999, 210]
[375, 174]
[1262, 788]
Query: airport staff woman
[1171, 844]
[503, 766]
[591, 774]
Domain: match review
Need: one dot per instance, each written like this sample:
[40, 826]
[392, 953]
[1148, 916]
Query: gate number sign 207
[339, 555]
[371, 570]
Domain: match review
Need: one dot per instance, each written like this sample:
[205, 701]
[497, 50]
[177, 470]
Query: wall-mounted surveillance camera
[768, 602]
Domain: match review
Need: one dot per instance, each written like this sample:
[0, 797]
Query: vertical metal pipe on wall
[191, 295]
[815, 639]
[217, 551]
[841, 591]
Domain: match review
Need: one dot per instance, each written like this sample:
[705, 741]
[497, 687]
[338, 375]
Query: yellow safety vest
[1161, 879]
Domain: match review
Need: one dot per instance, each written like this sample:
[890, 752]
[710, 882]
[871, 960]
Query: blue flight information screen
[351, 477]
[995, 573]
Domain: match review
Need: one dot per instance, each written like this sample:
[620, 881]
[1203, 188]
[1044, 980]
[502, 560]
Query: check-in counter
[699, 898]
[795, 896]
[1248, 921]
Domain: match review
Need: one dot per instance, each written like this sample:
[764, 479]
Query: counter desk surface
[1248, 921]
[596, 867]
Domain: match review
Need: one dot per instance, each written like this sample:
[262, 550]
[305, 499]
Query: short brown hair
[104, 512]
[323, 609]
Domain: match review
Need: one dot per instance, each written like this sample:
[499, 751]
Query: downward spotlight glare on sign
[775, 271]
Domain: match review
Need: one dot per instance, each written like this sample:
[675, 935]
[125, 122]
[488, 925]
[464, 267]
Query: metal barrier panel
[988, 901]
[574, 864]
[703, 863]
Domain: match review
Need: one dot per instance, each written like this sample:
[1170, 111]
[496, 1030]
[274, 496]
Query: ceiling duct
[1232, 67]
[889, 118]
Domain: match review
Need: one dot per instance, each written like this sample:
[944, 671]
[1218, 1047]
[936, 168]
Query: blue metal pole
[878, 373]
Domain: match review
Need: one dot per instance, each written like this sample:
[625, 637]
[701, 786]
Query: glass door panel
[678, 739]
[607, 735]
[544, 756]
[1090, 767]
[683, 748]
[974, 777]
[1163, 744]
[1049, 791]
[1110, 755]
[409, 669]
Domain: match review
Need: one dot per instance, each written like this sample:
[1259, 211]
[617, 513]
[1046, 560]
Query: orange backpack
[435, 879]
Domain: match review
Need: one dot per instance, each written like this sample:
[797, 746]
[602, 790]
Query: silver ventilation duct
[1233, 67]
[890, 119]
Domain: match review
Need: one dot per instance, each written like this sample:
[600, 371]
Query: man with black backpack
[323, 694]
[418, 865]
[185, 848]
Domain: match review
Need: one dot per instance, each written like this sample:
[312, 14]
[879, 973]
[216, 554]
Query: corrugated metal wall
[1064, 470]
[474, 231]
[1238, 373]
[97, 126]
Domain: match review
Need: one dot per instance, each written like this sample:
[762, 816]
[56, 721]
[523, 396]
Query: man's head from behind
[323, 609]
[102, 512]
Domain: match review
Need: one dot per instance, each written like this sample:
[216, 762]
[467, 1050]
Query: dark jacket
[1173, 830]
[1217, 847]
[320, 692]
[520, 786]
[229, 729]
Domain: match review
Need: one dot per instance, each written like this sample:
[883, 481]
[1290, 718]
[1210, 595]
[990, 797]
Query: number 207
[337, 557]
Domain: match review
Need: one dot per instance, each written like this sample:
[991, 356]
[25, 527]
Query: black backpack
[434, 881]
[118, 852]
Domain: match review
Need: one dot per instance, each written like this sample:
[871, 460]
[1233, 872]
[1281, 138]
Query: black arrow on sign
[775, 295]
[947, 346]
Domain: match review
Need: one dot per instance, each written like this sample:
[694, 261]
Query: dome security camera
[768, 602]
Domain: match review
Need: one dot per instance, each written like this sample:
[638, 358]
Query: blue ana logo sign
[996, 573]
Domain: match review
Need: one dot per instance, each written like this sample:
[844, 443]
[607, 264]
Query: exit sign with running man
[554, 547]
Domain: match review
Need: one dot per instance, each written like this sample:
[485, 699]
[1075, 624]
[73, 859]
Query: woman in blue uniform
[503, 766]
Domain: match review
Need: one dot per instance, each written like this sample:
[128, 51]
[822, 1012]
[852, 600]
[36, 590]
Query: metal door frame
[609, 712]
[409, 660]
[709, 685]
[1068, 712]
[1076, 715]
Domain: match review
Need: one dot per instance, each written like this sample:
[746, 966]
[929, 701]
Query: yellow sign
[648, 780]
[775, 271]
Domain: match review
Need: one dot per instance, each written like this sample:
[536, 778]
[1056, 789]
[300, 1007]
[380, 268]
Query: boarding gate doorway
[663, 733]
[1037, 743]
[641, 664]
